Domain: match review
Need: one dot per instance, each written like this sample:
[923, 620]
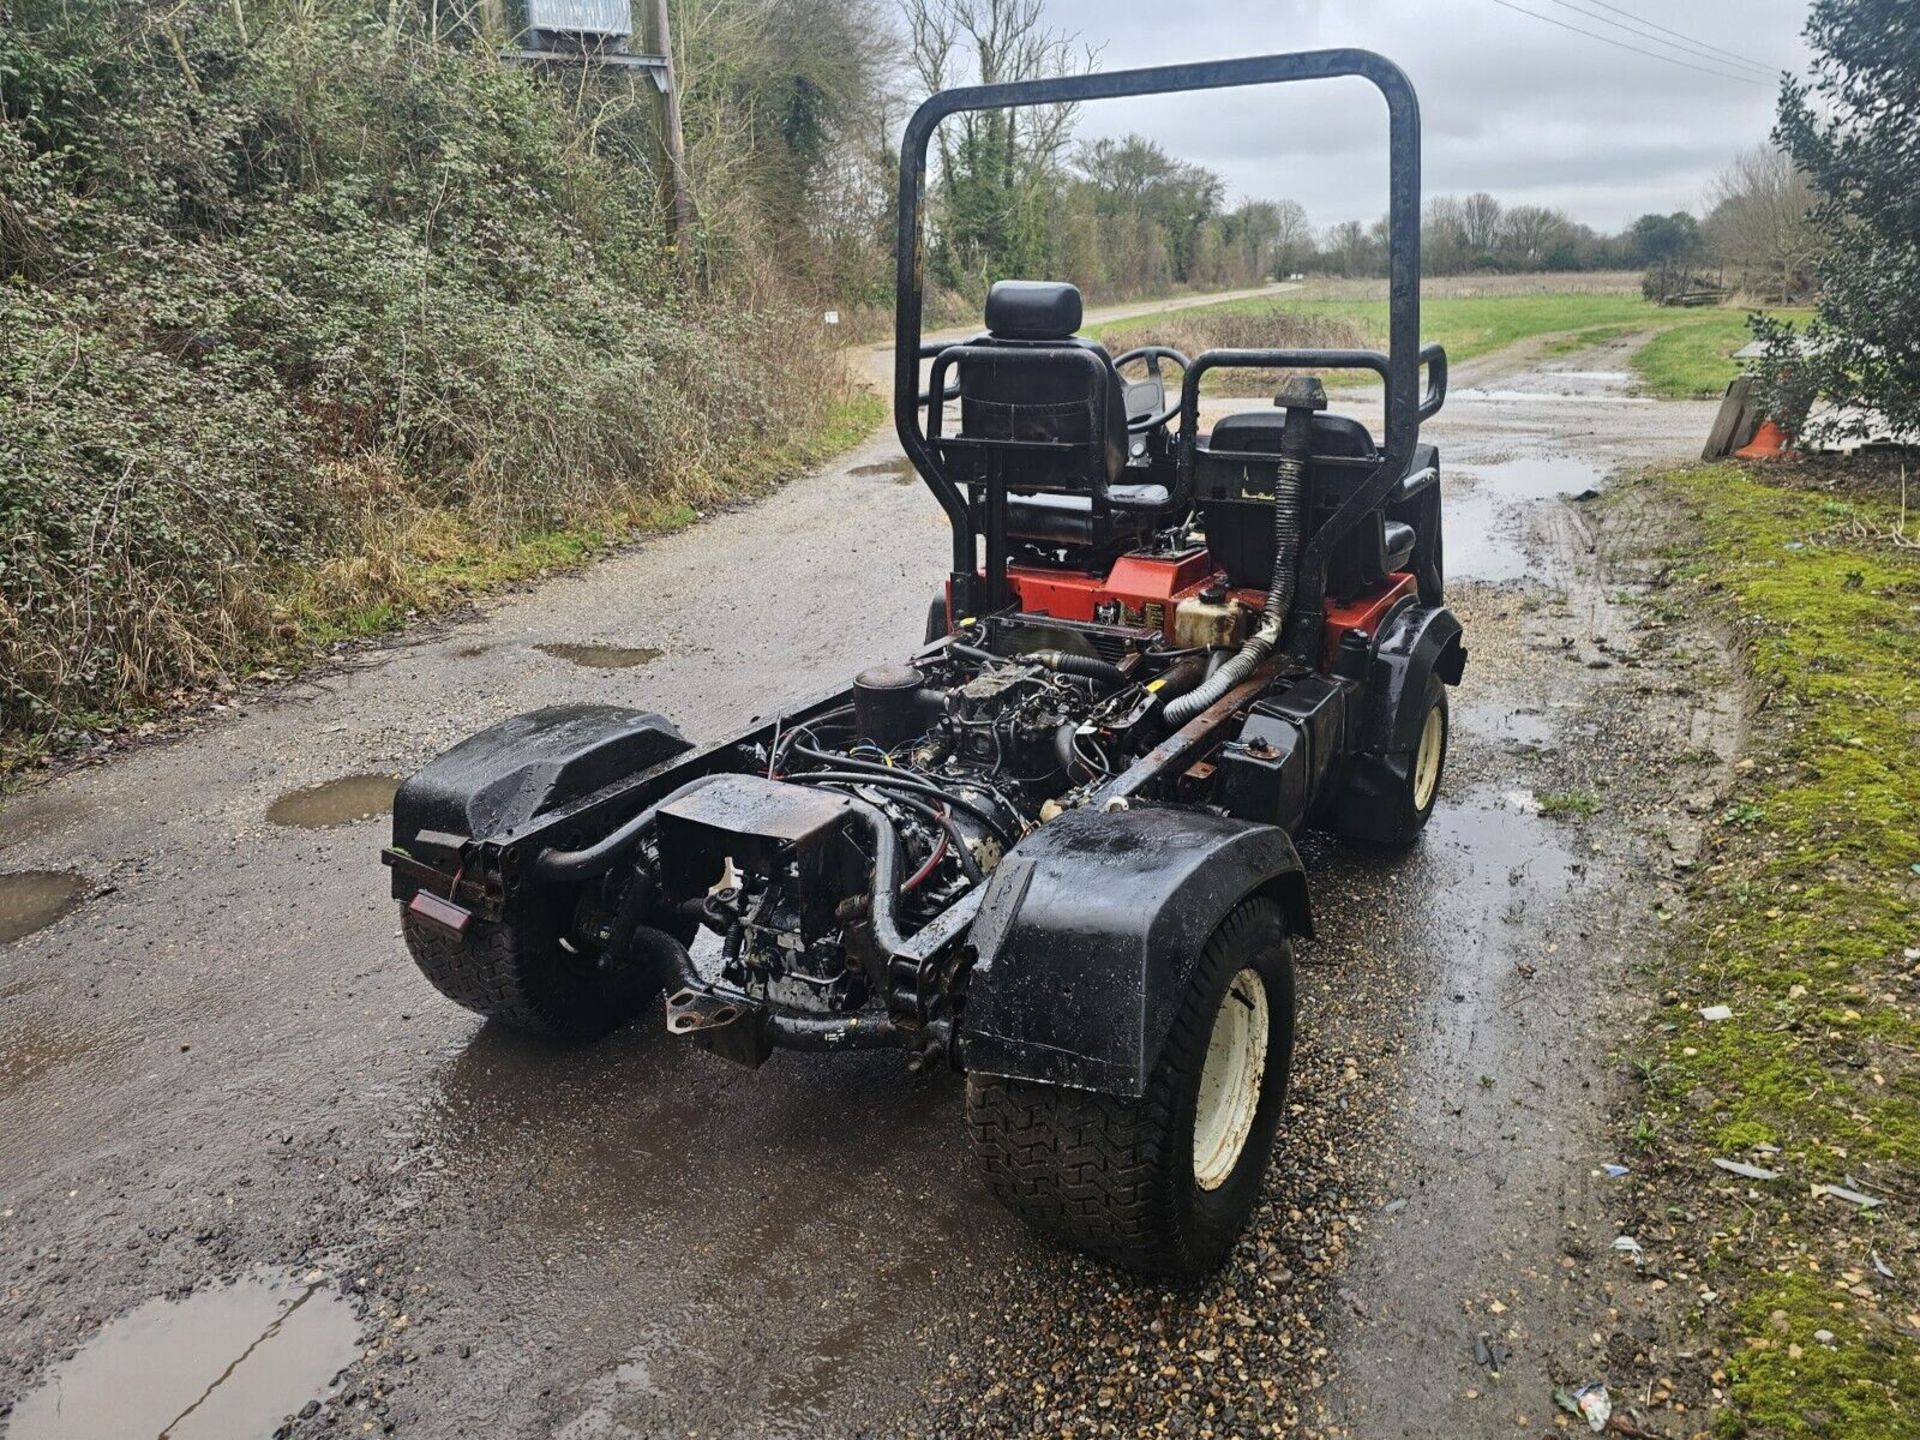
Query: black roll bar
[1433, 359]
[1402, 363]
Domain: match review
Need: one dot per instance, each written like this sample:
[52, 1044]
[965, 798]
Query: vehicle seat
[1376, 547]
[1051, 494]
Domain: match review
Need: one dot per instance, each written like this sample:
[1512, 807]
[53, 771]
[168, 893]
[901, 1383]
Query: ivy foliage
[1851, 125]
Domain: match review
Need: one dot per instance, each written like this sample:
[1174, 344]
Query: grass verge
[1806, 925]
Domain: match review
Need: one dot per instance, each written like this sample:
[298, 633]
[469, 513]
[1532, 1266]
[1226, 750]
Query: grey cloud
[1529, 112]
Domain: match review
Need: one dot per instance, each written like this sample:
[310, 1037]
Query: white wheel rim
[1230, 1080]
[1426, 760]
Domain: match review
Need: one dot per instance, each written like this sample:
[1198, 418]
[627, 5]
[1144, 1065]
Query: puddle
[31, 900]
[1543, 397]
[224, 1364]
[32, 1052]
[901, 470]
[799, 1397]
[336, 802]
[1485, 511]
[602, 657]
[1516, 728]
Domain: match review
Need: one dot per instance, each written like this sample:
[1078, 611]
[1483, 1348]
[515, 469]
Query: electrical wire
[1635, 49]
[1770, 71]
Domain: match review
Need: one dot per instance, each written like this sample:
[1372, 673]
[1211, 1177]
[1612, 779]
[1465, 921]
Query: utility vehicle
[1054, 848]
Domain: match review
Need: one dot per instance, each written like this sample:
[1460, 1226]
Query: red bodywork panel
[1148, 587]
[1365, 613]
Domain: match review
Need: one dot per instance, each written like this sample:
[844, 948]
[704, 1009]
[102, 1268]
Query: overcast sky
[1509, 104]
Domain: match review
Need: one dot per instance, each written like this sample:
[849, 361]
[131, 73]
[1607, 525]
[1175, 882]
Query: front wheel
[1163, 1183]
[1388, 799]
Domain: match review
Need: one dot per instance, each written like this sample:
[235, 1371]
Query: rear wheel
[1164, 1183]
[531, 975]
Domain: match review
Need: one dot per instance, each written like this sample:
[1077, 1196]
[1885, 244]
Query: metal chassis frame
[1400, 367]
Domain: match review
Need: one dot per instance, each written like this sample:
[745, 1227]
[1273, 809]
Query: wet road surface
[222, 1075]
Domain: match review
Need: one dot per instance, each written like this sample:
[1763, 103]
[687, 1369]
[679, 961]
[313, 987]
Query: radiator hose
[1300, 397]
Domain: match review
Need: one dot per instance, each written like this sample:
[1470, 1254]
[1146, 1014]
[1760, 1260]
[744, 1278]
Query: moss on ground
[1807, 925]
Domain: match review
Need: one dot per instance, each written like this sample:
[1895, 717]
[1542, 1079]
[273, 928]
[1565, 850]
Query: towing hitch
[733, 1028]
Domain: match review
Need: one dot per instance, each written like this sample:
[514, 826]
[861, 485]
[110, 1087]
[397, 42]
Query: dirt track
[221, 1066]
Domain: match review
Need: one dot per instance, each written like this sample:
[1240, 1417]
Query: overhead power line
[1734, 76]
[1772, 71]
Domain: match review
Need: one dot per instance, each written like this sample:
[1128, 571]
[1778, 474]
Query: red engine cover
[1147, 587]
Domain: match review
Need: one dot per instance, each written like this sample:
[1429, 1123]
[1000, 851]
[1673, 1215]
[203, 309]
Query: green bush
[285, 286]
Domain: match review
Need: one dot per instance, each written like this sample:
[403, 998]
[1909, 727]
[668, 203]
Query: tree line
[1020, 194]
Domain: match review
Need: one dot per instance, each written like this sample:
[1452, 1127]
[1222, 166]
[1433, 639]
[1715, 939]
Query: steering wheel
[1153, 355]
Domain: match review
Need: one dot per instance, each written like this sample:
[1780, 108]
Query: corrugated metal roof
[580, 17]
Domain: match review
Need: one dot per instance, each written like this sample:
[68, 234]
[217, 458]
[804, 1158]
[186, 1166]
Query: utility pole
[675, 142]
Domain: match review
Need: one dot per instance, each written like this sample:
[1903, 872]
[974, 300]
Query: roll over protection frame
[1400, 367]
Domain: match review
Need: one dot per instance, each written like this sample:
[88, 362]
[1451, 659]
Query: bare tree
[1760, 226]
[1292, 237]
[996, 167]
[1529, 232]
[1443, 237]
[1480, 222]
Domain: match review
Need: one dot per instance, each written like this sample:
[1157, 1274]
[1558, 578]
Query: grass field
[1688, 356]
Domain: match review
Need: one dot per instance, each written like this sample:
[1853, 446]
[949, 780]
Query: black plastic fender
[499, 780]
[1089, 930]
[1416, 643]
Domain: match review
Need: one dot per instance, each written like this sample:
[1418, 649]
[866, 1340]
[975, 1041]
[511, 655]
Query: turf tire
[1115, 1176]
[521, 976]
[1412, 814]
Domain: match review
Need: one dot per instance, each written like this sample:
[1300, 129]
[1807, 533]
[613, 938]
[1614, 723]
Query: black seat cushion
[1033, 310]
[1237, 525]
[1029, 396]
[1071, 519]
[1259, 431]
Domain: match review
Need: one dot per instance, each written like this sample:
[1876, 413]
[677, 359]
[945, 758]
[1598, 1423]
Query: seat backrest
[1031, 396]
[1239, 527]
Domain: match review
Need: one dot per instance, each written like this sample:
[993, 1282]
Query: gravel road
[256, 1175]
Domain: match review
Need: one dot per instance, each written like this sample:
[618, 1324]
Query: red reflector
[444, 913]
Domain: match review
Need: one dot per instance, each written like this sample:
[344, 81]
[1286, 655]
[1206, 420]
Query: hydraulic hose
[1087, 667]
[672, 960]
[599, 857]
[1289, 490]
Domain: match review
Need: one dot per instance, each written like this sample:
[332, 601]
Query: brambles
[305, 326]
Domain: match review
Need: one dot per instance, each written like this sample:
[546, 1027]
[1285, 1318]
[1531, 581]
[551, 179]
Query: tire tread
[1093, 1170]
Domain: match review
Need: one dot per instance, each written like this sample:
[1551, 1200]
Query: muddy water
[602, 657]
[31, 900]
[226, 1363]
[32, 1051]
[1487, 508]
[900, 470]
[335, 802]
